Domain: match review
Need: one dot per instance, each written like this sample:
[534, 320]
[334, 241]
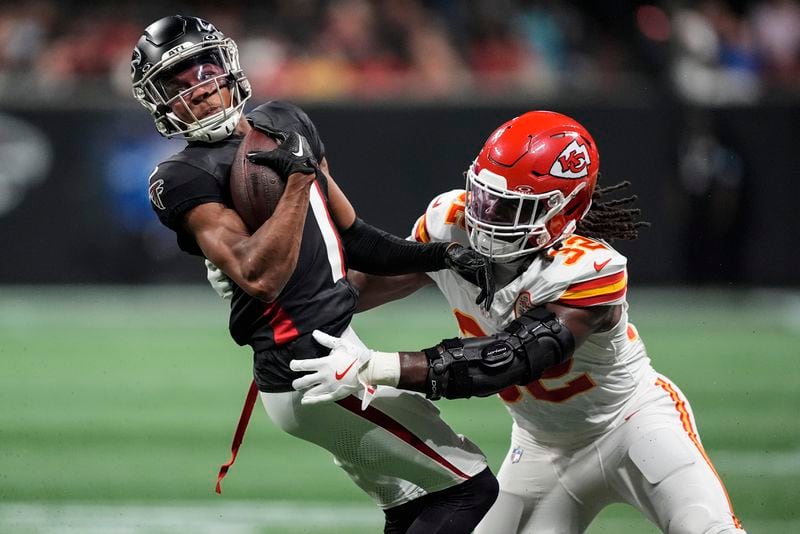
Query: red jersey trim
[597, 283]
[283, 328]
[603, 290]
[421, 230]
[595, 301]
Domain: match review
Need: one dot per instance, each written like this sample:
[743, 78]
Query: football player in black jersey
[290, 275]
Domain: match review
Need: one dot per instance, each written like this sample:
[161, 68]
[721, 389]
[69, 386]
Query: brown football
[255, 189]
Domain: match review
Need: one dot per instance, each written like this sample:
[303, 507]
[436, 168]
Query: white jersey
[584, 396]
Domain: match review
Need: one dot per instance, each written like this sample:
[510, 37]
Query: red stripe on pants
[379, 418]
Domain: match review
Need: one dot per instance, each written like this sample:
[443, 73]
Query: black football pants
[455, 510]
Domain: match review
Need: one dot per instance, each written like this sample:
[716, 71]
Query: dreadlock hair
[611, 219]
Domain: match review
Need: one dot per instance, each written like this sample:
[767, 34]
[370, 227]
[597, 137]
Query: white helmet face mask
[195, 71]
[506, 225]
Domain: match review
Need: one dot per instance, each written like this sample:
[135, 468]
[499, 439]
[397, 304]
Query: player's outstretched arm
[480, 366]
[541, 338]
[373, 251]
[374, 291]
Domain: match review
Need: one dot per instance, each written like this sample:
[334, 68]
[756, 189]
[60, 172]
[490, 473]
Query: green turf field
[118, 406]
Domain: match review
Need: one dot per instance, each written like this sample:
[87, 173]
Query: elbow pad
[481, 366]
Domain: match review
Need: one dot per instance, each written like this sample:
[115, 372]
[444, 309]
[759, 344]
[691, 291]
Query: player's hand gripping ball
[291, 156]
[263, 162]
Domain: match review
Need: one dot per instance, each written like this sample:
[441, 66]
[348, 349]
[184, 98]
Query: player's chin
[211, 112]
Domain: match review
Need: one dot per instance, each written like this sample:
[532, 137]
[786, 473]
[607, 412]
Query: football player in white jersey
[593, 422]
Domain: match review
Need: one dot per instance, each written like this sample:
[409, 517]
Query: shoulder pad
[590, 272]
[443, 220]
[286, 117]
[276, 114]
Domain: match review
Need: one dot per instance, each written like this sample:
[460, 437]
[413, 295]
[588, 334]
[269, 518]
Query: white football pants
[652, 459]
[396, 450]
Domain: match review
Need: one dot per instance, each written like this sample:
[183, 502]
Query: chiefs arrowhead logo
[573, 162]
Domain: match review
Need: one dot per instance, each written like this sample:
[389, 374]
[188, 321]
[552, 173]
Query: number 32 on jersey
[559, 393]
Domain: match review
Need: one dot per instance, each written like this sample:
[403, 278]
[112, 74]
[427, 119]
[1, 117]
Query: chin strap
[219, 132]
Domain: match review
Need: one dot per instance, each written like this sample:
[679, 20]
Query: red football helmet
[530, 185]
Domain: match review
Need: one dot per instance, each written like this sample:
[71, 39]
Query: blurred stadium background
[119, 385]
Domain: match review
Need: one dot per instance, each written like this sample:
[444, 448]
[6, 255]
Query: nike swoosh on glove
[332, 377]
[474, 268]
[291, 156]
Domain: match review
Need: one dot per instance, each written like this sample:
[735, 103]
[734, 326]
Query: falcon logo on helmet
[206, 26]
[136, 59]
[573, 162]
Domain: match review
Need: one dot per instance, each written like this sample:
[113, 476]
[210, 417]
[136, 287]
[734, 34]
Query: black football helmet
[172, 45]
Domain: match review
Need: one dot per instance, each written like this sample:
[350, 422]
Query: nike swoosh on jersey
[299, 152]
[339, 375]
[599, 266]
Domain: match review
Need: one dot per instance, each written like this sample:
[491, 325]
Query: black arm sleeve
[371, 250]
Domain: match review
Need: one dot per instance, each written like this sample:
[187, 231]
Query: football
[255, 189]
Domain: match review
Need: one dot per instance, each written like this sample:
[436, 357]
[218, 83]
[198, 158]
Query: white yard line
[246, 518]
[228, 518]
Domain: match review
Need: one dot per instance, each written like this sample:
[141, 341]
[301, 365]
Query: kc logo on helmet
[573, 162]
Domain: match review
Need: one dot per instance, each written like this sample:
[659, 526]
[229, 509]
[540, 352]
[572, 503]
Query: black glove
[291, 156]
[474, 268]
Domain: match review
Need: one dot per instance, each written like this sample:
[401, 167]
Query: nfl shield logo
[516, 454]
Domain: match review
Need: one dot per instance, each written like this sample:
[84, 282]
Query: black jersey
[316, 296]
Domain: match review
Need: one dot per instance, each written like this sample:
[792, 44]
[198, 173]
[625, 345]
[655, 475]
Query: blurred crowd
[707, 52]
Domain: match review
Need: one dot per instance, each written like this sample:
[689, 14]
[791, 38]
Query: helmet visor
[504, 224]
[504, 209]
[205, 69]
[491, 208]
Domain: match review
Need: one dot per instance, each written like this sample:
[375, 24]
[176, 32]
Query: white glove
[219, 281]
[332, 377]
[339, 374]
